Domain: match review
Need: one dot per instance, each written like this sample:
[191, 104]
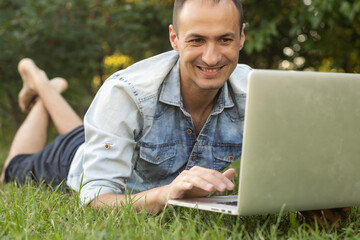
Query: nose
[211, 54]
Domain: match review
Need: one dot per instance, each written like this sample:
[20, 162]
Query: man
[161, 129]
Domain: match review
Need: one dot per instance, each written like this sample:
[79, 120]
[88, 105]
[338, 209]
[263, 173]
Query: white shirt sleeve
[111, 125]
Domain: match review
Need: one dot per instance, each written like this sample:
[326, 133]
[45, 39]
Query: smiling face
[208, 40]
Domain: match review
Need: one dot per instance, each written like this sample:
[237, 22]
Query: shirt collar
[170, 91]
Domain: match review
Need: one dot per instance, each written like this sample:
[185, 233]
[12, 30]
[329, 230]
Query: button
[189, 131]
[107, 146]
[194, 158]
[158, 158]
[231, 158]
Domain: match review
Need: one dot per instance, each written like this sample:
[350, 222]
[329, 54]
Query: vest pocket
[155, 162]
[224, 155]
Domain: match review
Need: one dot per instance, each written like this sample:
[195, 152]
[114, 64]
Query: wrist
[161, 194]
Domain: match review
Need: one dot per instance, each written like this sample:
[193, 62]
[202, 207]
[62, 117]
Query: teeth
[209, 69]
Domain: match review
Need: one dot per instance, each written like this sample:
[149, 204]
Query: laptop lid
[301, 142]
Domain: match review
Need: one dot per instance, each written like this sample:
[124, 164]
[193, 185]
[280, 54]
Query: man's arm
[111, 124]
[196, 182]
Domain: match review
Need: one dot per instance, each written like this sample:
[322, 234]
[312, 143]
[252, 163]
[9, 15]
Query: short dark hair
[178, 5]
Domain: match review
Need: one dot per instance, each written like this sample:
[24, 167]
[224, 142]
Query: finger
[199, 182]
[215, 178]
[178, 189]
[230, 173]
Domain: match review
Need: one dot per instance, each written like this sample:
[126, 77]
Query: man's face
[208, 41]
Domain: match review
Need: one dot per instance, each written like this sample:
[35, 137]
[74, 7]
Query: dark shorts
[51, 165]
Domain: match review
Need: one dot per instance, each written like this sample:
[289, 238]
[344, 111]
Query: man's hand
[198, 182]
[327, 217]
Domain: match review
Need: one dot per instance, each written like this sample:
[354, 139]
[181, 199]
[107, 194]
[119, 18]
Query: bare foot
[60, 84]
[29, 72]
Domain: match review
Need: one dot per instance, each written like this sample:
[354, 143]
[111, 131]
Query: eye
[226, 40]
[196, 41]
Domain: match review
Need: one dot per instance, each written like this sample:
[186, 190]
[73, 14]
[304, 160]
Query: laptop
[301, 145]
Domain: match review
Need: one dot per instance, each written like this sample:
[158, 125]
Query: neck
[199, 101]
[199, 104]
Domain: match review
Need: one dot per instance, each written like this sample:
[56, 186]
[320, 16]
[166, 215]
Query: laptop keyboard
[233, 203]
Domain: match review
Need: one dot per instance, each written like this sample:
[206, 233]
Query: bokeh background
[85, 41]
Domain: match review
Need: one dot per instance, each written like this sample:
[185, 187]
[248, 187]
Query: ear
[242, 36]
[173, 38]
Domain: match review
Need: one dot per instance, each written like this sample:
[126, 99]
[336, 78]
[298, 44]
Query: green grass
[38, 212]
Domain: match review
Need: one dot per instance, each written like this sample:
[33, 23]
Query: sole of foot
[28, 72]
[60, 84]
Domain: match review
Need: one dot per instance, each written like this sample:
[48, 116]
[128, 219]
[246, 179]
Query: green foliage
[315, 34]
[70, 39]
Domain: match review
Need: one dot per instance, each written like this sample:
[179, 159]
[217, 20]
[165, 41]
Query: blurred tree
[71, 39]
[303, 34]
